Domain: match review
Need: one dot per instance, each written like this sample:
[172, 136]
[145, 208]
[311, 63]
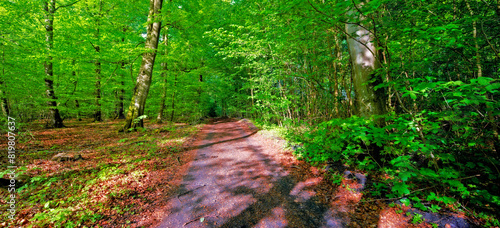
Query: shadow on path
[234, 182]
[219, 142]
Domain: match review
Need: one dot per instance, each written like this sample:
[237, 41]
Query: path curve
[234, 181]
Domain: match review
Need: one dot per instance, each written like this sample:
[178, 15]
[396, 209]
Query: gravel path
[235, 181]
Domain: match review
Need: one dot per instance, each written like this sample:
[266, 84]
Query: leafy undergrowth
[410, 162]
[123, 179]
[401, 168]
[346, 202]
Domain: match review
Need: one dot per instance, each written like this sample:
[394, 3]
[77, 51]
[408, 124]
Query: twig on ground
[198, 218]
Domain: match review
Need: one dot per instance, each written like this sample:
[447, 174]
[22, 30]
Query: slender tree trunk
[141, 90]
[251, 86]
[120, 93]
[119, 110]
[491, 118]
[3, 95]
[97, 112]
[55, 120]
[334, 74]
[75, 83]
[476, 44]
[164, 68]
[364, 63]
[163, 98]
[97, 65]
[173, 100]
[77, 106]
[348, 88]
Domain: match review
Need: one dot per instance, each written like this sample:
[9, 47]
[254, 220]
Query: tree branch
[488, 41]
[349, 35]
[343, 22]
[95, 48]
[66, 5]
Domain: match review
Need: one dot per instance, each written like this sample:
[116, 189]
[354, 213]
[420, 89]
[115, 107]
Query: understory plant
[417, 156]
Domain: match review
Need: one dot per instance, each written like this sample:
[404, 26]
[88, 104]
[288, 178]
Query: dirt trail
[236, 181]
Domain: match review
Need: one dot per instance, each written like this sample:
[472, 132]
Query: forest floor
[225, 173]
[123, 179]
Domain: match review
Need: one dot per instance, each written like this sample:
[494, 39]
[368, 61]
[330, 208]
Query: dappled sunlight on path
[234, 181]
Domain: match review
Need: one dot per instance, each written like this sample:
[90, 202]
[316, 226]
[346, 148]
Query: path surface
[235, 181]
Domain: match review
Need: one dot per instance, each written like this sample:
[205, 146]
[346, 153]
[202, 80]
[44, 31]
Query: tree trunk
[3, 100]
[141, 90]
[164, 68]
[476, 44]
[163, 98]
[3, 96]
[97, 64]
[494, 137]
[364, 64]
[97, 112]
[120, 93]
[334, 75]
[77, 106]
[55, 120]
[173, 100]
[119, 111]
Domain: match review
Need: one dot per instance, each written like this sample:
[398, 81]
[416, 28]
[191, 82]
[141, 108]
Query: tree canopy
[409, 88]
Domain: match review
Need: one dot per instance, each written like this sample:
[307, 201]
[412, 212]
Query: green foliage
[417, 219]
[399, 150]
[286, 63]
[140, 118]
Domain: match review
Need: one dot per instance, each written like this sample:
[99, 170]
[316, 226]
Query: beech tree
[141, 89]
[97, 63]
[365, 61]
[164, 69]
[49, 6]
[320, 69]
[4, 103]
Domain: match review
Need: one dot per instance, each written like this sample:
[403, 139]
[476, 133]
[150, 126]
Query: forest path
[236, 181]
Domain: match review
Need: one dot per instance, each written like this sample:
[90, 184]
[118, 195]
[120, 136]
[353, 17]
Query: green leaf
[431, 196]
[405, 201]
[401, 189]
[435, 208]
[428, 172]
[493, 87]
[484, 81]
[413, 96]
[405, 175]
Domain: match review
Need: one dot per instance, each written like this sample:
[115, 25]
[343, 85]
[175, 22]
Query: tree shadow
[234, 183]
[219, 142]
